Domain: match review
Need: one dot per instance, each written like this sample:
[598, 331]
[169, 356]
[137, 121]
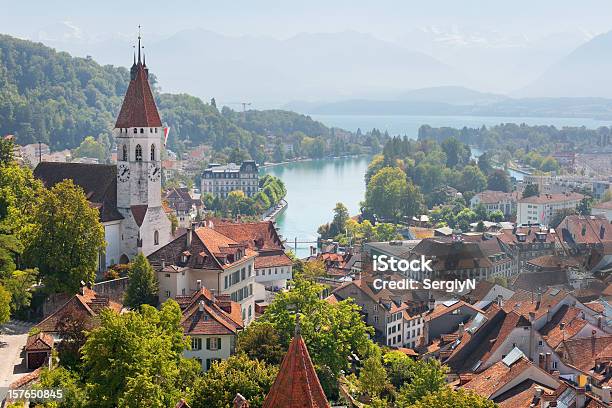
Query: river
[314, 187]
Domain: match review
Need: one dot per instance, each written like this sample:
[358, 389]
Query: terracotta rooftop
[442, 309]
[580, 229]
[551, 198]
[39, 341]
[297, 384]
[582, 353]
[258, 236]
[138, 108]
[524, 302]
[210, 315]
[603, 206]
[82, 307]
[563, 325]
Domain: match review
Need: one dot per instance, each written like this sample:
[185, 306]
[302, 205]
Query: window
[141, 130]
[554, 365]
[156, 237]
[213, 343]
[125, 153]
[135, 130]
[138, 153]
[152, 152]
[375, 319]
[196, 343]
[167, 293]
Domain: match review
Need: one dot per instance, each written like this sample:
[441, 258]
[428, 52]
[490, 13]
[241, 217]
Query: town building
[541, 208]
[205, 258]
[38, 350]
[128, 195]
[220, 180]
[184, 207]
[273, 267]
[496, 201]
[212, 323]
[604, 209]
[531, 241]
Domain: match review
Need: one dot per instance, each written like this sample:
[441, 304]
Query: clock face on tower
[154, 172]
[123, 172]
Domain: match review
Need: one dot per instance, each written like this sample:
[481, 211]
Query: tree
[384, 193]
[472, 179]
[531, 190]
[333, 333]
[74, 393]
[456, 152]
[412, 201]
[498, 181]
[92, 148]
[68, 238]
[484, 164]
[373, 376]
[260, 341]
[20, 286]
[496, 216]
[237, 374]
[426, 377]
[341, 216]
[142, 287]
[5, 305]
[584, 206]
[138, 344]
[447, 398]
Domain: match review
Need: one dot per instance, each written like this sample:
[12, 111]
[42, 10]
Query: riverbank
[272, 213]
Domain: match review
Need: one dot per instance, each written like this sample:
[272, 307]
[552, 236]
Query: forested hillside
[58, 99]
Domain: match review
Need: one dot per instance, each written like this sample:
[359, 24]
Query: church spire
[139, 37]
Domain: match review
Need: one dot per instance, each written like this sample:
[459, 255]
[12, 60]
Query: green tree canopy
[67, 240]
[384, 193]
[142, 287]
[498, 181]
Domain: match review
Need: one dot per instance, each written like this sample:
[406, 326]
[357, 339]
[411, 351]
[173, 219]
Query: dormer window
[138, 153]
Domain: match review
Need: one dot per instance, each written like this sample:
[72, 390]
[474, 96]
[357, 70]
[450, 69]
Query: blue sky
[281, 19]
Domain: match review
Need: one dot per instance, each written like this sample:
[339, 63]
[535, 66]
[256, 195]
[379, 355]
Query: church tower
[138, 132]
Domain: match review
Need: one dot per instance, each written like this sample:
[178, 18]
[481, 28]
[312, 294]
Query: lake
[313, 189]
[409, 125]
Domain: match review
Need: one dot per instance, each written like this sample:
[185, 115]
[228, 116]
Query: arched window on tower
[125, 153]
[153, 152]
[156, 237]
[138, 153]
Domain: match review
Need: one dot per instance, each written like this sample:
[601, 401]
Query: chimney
[82, 288]
[432, 303]
[199, 284]
[537, 392]
[605, 394]
[201, 306]
[580, 397]
[538, 299]
[461, 328]
[189, 231]
[163, 264]
[500, 301]
[531, 335]
[593, 332]
[541, 361]
[547, 362]
[602, 232]
[548, 314]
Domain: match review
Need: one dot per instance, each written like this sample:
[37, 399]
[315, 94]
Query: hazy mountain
[587, 71]
[266, 70]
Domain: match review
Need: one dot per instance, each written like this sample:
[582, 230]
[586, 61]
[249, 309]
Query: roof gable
[138, 108]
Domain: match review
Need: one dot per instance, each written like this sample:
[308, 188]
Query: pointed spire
[139, 37]
[297, 384]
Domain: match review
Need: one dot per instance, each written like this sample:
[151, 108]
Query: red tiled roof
[524, 302]
[138, 109]
[272, 260]
[567, 316]
[220, 245]
[256, 235]
[442, 309]
[210, 315]
[38, 342]
[492, 197]
[80, 307]
[603, 206]
[582, 353]
[551, 198]
[591, 229]
[297, 384]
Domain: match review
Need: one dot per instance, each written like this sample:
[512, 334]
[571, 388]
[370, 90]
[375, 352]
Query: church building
[127, 194]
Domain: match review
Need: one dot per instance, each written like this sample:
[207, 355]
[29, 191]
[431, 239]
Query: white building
[221, 180]
[128, 195]
[496, 201]
[212, 324]
[205, 258]
[540, 209]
